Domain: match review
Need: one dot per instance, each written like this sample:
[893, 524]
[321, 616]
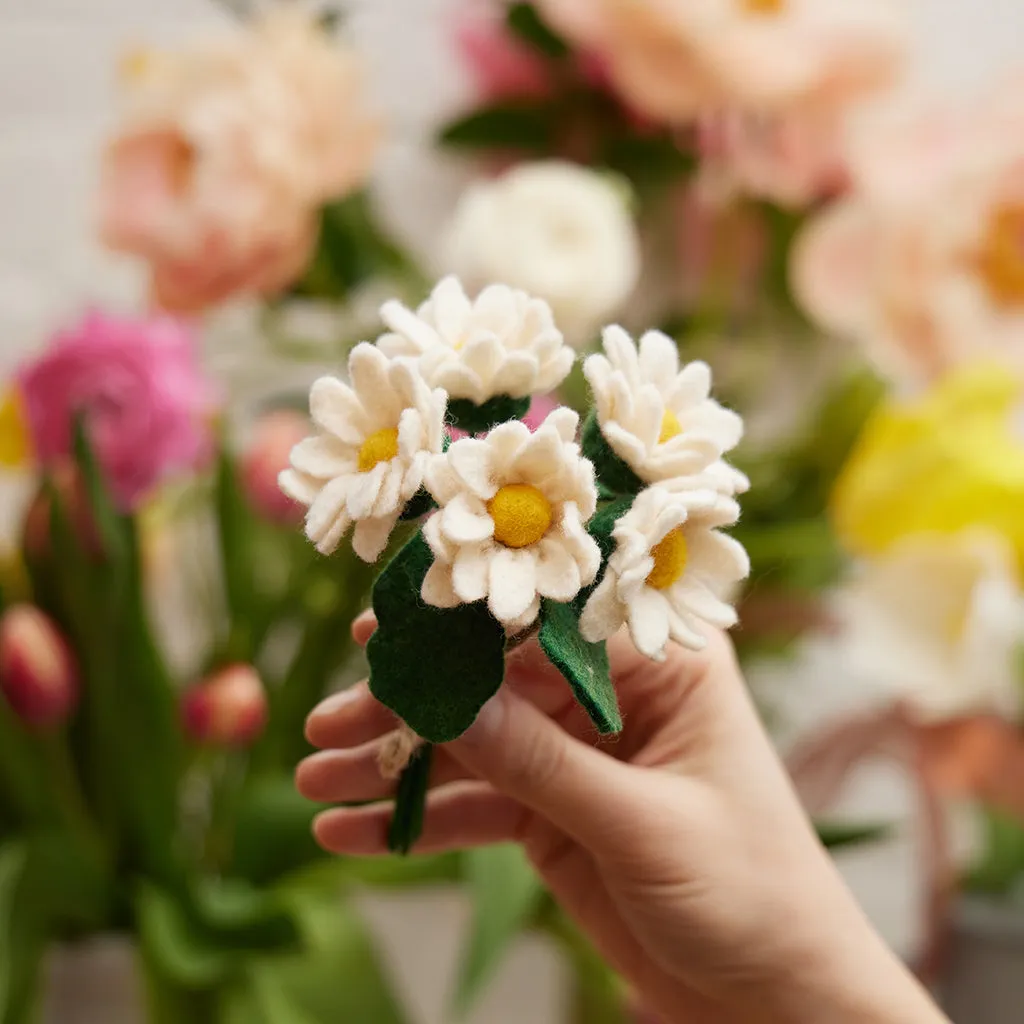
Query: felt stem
[397, 751]
[410, 802]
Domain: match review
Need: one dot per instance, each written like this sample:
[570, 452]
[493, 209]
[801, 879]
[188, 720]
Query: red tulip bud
[66, 479]
[37, 670]
[227, 709]
[268, 454]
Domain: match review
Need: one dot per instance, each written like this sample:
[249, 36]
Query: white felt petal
[435, 539]
[626, 445]
[441, 480]
[659, 359]
[517, 376]
[622, 353]
[649, 416]
[692, 386]
[648, 623]
[512, 583]
[389, 500]
[334, 408]
[564, 421]
[558, 574]
[410, 434]
[717, 558]
[470, 574]
[368, 370]
[449, 308]
[370, 537]
[322, 457]
[459, 381]
[471, 461]
[524, 621]
[437, 589]
[465, 521]
[506, 441]
[482, 355]
[329, 504]
[298, 486]
[598, 372]
[409, 326]
[603, 614]
[329, 539]
[539, 458]
[581, 545]
[553, 370]
[695, 598]
[363, 490]
[685, 630]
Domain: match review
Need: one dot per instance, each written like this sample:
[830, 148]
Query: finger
[351, 775]
[461, 815]
[527, 756]
[363, 626]
[348, 719]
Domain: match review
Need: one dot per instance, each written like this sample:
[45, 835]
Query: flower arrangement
[488, 463]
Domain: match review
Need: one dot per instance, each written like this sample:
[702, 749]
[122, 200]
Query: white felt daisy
[502, 343]
[659, 419]
[669, 566]
[510, 524]
[369, 456]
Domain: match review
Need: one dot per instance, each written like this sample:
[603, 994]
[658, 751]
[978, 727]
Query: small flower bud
[38, 676]
[66, 479]
[267, 455]
[228, 708]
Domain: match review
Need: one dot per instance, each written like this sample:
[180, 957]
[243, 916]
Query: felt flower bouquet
[517, 533]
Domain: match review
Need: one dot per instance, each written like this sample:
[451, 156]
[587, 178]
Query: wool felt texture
[600, 528]
[410, 802]
[418, 506]
[613, 474]
[478, 419]
[584, 665]
[434, 667]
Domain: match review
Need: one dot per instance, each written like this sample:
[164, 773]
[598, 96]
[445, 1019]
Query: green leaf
[521, 126]
[478, 419]
[612, 472]
[110, 524]
[242, 916]
[649, 161]
[418, 506]
[584, 665]
[505, 891]
[526, 24]
[1002, 864]
[235, 525]
[410, 801]
[273, 831]
[22, 934]
[179, 950]
[838, 836]
[435, 668]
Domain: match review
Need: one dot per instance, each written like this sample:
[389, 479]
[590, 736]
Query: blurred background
[203, 205]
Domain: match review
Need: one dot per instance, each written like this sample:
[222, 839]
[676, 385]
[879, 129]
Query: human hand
[678, 846]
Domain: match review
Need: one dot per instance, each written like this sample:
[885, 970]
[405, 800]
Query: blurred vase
[984, 981]
[97, 981]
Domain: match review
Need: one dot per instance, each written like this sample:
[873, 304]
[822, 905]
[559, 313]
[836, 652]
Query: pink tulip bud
[273, 439]
[227, 709]
[67, 481]
[37, 670]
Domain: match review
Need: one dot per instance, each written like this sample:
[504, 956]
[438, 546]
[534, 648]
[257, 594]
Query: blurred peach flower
[923, 262]
[500, 66]
[266, 457]
[678, 59]
[227, 153]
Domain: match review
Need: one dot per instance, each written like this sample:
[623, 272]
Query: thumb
[526, 756]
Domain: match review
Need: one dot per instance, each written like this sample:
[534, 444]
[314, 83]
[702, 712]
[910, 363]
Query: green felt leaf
[1001, 866]
[612, 472]
[509, 125]
[584, 665]
[410, 802]
[273, 834]
[505, 891]
[838, 836]
[435, 668]
[478, 419]
[526, 24]
[419, 506]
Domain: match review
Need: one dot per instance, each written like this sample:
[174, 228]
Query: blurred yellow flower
[949, 459]
[15, 443]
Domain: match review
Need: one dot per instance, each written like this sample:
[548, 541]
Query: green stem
[66, 786]
[410, 801]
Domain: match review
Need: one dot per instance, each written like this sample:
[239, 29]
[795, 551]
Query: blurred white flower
[503, 343]
[556, 230]
[370, 454]
[667, 572]
[510, 527]
[658, 418]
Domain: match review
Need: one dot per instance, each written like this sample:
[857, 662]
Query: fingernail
[335, 702]
[488, 724]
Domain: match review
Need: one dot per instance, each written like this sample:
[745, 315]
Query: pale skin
[679, 847]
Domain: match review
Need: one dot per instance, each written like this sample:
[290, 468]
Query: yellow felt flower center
[763, 6]
[669, 560]
[669, 427]
[521, 514]
[1002, 255]
[15, 445]
[380, 446]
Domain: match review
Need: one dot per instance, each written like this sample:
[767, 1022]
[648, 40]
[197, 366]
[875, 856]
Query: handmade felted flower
[656, 418]
[668, 568]
[510, 527]
[368, 459]
[503, 344]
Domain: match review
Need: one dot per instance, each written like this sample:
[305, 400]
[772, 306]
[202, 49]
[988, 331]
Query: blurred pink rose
[268, 454]
[228, 708]
[227, 154]
[792, 158]
[501, 67]
[139, 387]
[676, 59]
[923, 262]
